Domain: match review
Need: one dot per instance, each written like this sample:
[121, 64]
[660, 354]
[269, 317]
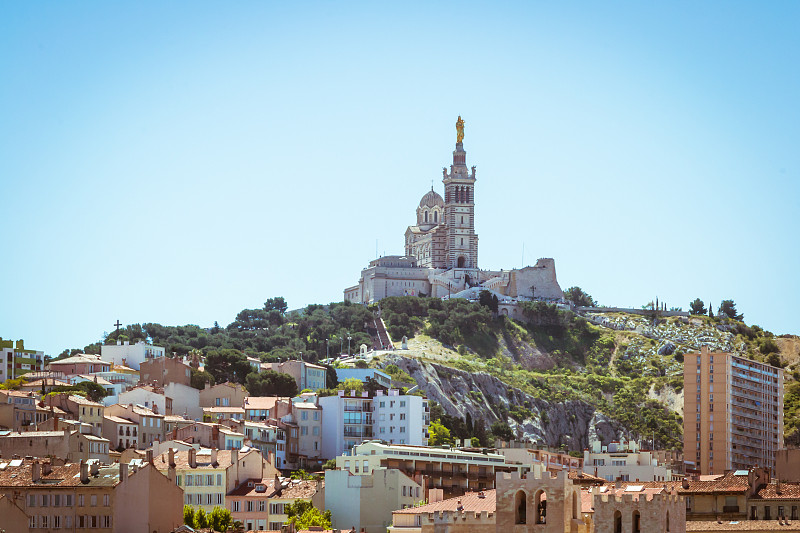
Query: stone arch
[540, 503]
[520, 507]
[636, 522]
[504, 311]
[461, 262]
[426, 216]
[435, 216]
[617, 521]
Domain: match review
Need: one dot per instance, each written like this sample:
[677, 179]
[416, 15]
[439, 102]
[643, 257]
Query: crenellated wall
[660, 513]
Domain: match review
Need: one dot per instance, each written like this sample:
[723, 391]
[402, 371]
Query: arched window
[541, 507]
[520, 508]
[436, 216]
[426, 216]
[462, 262]
[636, 522]
[617, 522]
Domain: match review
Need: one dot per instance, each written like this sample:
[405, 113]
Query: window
[189, 480]
[210, 480]
[304, 415]
[93, 500]
[106, 500]
[767, 513]
[315, 430]
[402, 416]
[80, 500]
[56, 500]
[219, 498]
[32, 501]
[402, 403]
[402, 429]
[68, 500]
[262, 506]
[56, 522]
[219, 480]
[235, 506]
[105, 521]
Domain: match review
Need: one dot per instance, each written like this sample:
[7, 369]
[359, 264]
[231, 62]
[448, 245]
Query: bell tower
[461, 247]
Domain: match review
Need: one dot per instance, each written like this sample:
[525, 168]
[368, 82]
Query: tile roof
[203, 459]
[67, 475]
[582, 477]
[770, 492]
[727, 483]
[50, 382]
[97, 379]
[223, 410]
[79, 358]
[471, 503]
[119, 419]
[742, 525]
[80, 400]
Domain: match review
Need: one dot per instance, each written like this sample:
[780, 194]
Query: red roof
[471, 502]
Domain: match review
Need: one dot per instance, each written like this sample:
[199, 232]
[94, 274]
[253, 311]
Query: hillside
[557, 377]
[605, 372]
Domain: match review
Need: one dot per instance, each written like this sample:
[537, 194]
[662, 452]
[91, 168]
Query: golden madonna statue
[459, 129]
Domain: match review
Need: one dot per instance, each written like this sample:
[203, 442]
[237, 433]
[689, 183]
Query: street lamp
[348, 344]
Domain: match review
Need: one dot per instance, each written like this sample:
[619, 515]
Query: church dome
[431, 199]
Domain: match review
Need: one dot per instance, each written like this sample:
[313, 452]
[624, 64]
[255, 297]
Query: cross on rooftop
[118, 325]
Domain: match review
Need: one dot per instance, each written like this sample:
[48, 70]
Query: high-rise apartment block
[733, 412]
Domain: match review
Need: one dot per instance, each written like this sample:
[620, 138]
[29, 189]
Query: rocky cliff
[487, 398]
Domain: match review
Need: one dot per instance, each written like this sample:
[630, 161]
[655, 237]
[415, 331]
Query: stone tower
[461, 245]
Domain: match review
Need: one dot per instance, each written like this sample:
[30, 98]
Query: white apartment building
[130, 355]
[185, 400]
[351, 420]
[624, 461]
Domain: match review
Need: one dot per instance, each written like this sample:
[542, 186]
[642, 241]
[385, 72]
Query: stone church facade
[441, 251]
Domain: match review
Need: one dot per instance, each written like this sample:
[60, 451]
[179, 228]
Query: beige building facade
[733, 412]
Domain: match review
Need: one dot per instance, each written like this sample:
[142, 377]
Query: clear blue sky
[178, 162]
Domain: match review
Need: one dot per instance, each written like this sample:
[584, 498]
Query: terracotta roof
[470, 502]
[727, 483]
[741, 525]
[223, 410]
[581, 477]
[586, 502]
[770, 492]
[19, 393]
[80, 400]
[648, 492]
[63, 476]
[203, 459]
[50, 382]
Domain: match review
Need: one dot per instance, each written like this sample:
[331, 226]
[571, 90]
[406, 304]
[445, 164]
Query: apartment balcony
[353, 408]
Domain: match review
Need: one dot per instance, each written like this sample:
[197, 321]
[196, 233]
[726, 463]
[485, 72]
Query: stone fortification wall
[665, 512]
[459, 522]
[545, 504]
[538, 281]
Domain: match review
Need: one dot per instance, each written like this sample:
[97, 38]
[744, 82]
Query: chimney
[95, 468]
[171, 474]
[618, 484]
[234, 456]
[192, 458]
[47, 467]
[778, 487]
[172, 457]
[123, 472]
[214, 461]
[149, 455]
[36, 471]
[84, 472]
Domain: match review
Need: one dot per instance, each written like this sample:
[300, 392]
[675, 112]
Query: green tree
[276, 304]
[200, 518]
[188, 515]
[485, 299]
[479, 432]
[270, 383]
[579, 297]
[199, 379]
[501, 430]
[438, 434]
[227, 365]
[728, 308]
[305, 515]
[697, 307]
[220, 519]
[352, 384]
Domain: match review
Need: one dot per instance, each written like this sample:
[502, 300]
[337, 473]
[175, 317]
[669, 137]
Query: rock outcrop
[484, 397]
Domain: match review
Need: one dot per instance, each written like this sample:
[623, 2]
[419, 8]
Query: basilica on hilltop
[441, 251]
